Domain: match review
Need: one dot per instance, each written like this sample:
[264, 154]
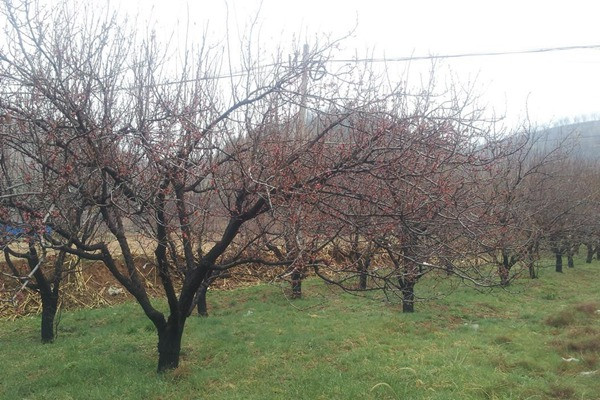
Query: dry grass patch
[502, 340]
[580, 331]
[183, 372]
[561, 392]
[561, 319]
[590, 360]
[568, 316]
[589, 308]
[587, 344]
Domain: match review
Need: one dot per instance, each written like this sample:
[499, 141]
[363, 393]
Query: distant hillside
[584, 137]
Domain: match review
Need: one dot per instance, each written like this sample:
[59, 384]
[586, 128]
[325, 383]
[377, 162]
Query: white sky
[550, 85]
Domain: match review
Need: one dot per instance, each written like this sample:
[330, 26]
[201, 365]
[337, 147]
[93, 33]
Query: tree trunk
[362, 283]
[503, 271]
[408, 297]
[48, 294]
[296, 284]
[202, 307]
[49, 307]
[559, 263]
[449, 267]
[363, 264]
[169, 345]
[532, 271]
[570, 261]
[590, 253]
[530, 258]
[410, 273]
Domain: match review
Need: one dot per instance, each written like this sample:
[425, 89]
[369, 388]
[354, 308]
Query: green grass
[257, 345]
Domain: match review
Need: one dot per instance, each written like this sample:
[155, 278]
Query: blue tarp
[17, 231]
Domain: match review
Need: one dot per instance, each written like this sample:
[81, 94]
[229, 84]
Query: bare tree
[417, 205]
[35, 203]
[160, 149]
[512, 190]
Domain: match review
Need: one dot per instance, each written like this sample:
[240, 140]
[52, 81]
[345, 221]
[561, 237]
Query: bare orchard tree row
[108, 137]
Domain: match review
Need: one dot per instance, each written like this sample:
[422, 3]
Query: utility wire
[463, 55]
[239, 73]
[412, 58]
[320, 63]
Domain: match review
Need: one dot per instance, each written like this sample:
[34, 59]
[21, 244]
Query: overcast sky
[550, 85]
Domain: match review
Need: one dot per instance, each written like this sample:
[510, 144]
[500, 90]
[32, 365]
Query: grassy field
[258, 345]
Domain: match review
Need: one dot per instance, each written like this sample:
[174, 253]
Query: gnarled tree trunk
[169, 344]
[503, 271]
[408, 295]
[364, 262]
[363, 278]
[590, 252]
[201, 306]
[570, 262]
[531, 268]
[559, 263]
[296, 284]
[49, 308]
[504, 268]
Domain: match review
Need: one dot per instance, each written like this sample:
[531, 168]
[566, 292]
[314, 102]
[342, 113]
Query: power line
[240, 73]
[422, 58]
[404, 59]
[475, 54]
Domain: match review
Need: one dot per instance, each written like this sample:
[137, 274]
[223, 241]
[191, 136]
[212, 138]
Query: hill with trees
[582, 139]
